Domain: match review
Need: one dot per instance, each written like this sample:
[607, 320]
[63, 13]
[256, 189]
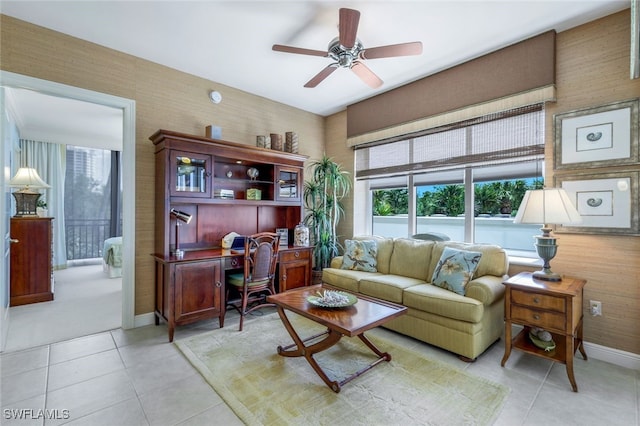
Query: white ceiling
[65, 121]
[229, 42]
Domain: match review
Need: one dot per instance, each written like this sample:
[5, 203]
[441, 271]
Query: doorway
[127, 106]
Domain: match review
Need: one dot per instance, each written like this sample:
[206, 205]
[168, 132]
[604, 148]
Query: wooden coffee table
[351, 321]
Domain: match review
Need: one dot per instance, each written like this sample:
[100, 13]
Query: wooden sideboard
[31, 260]
[193, 288]
[225, 187]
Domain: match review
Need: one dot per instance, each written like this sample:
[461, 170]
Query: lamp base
[547, 248]
[546, 275]
[26, 203]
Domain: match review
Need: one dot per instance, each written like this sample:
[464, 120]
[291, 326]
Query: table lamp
[180, 217]
[26, 198]
[549, 206]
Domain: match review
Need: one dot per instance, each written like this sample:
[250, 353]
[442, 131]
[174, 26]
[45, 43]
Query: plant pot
[42, 212]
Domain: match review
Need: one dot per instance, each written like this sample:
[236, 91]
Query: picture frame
[607, 202]
[284, 236]
[597, 137]
[635, 39]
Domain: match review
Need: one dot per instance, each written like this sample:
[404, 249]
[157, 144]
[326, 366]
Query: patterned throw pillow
[455, 269]
[360, 255]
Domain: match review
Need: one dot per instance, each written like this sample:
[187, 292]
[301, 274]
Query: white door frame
[128, 106]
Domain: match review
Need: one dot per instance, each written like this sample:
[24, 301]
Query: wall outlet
[595, 307]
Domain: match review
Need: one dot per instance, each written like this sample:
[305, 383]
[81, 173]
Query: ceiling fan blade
[393, 50]
[348, 26]
[366, 75]
[299, 50]
[321, 76]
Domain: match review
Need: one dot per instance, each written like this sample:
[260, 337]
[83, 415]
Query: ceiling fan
[349, 52]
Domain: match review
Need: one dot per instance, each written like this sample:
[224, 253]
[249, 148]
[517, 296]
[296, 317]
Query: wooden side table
[553, 306]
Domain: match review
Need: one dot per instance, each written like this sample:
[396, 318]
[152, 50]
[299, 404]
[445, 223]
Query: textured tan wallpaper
[593, 69]
[165, 98]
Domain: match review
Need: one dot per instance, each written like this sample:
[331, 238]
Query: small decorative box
[254, 194]
[223, 193]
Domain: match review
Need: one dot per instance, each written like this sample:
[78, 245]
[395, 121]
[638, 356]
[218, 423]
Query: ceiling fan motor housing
[344, 56]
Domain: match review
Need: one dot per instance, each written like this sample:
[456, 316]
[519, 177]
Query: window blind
[495, 139]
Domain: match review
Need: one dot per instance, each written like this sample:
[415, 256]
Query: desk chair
[257, 279]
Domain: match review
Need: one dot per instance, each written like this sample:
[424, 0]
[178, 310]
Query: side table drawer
[547, 320]
[291, 255]
[541, 301]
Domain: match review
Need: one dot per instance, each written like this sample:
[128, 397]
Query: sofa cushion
[387, 287]
[411, 258]
[455, 269]
[438, 301]
[360, 255]
[345, 279]
[385, 248]
[494, 259]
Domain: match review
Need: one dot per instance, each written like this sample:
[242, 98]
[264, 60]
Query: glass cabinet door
[191, 174]
[288, 184]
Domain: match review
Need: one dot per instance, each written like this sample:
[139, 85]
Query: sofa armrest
[486, 289]
[336, 262]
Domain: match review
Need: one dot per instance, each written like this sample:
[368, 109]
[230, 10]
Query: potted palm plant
[323, 192]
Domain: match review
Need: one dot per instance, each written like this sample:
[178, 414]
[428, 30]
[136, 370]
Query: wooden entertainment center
[225, 187]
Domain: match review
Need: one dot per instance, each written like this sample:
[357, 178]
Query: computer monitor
[238, 245]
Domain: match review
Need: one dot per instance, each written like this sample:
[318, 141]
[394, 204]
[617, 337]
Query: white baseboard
[144, 319]
[613, 356]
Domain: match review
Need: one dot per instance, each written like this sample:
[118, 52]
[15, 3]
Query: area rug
[264, 388]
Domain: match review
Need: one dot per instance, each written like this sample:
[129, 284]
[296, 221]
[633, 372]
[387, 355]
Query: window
[390, 208]
[465, 180]
[92, 200]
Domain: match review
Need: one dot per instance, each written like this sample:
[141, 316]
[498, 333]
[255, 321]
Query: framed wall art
[607, 202]
[284, 236]
[595, 137]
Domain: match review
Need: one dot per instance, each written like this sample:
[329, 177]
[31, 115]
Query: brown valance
[525, 70]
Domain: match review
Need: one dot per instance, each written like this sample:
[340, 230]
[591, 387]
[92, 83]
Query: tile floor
[136, 377]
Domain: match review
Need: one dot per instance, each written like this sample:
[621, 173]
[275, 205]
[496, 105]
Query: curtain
[49, 160]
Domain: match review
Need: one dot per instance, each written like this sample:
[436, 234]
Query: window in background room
[465, 180]
[92, 201]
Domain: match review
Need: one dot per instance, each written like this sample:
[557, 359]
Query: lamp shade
[547, 206]
[181, 216]
[28, 178]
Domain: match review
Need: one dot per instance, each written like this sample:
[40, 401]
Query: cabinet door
[190, 174]
[294, 275]
[31, 269]
[294, 269]
[288, 184]
[198, 290]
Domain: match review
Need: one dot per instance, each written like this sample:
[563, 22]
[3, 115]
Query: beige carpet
[264, 388]
[86, 301]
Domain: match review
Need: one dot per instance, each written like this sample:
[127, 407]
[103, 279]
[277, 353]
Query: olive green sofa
[466, 325]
